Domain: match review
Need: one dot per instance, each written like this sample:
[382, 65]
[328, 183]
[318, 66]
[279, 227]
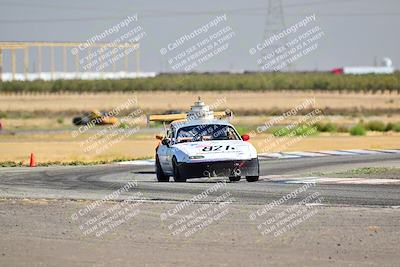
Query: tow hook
[236, 168]
[237, 172]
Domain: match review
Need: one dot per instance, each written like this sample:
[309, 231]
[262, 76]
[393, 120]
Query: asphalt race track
[353, 225]
[95, 181]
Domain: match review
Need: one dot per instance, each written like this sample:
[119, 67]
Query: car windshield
[206, 132]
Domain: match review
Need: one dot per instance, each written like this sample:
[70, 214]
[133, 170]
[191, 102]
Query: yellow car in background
[95, 118]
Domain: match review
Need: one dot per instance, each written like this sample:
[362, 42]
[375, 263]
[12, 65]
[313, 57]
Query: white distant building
[386, 67]
[47, 76]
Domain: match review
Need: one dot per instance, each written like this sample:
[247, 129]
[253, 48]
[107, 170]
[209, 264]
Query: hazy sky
[355, 31]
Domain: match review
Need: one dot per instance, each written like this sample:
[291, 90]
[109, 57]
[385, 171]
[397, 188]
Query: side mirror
[165, 142]
[159, 136]
[245, 137]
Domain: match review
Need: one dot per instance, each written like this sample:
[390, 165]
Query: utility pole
[274, 24]
[1, 64]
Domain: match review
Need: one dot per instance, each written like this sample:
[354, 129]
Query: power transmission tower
[274, 24]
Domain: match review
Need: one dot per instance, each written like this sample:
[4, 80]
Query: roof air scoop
[199, 111]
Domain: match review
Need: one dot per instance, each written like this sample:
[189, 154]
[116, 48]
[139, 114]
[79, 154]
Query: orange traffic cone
[32, 162]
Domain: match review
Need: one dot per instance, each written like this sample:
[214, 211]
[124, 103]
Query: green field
[323, 81]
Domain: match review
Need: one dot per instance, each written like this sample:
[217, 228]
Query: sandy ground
[182, 100]
[48, 217]
[42, 233]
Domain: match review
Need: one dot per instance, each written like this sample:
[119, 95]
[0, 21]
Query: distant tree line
[323, 81]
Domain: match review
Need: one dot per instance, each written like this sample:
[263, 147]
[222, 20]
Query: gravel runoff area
[42, 233]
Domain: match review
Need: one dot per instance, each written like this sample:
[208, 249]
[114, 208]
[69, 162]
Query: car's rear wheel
[234, 178]
[161, 177]
[252, 178]
[177, 175]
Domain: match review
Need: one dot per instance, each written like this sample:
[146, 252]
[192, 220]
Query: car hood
[216, 150]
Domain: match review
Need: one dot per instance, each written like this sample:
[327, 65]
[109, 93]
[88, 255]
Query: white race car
[198, 144]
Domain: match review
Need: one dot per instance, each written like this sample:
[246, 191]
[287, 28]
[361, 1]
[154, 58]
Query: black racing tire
[161, 177]
[252, 178]
[234, 178]
[77, 121]
[177, 175]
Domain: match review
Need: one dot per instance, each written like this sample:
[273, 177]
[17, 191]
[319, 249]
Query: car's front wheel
[234, 178]
[252, 178]
[161, 177]
[177, 175]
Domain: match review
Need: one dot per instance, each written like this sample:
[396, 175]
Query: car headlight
[196, 157]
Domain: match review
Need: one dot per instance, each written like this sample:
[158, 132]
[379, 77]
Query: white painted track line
[363, 151]
[329, 180]
[295, 154]
[138, 162]
[306, 154]
[337, 152]
[279, 155]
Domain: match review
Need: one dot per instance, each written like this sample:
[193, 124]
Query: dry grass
[341, 120]
[34, 123]
[250, 121]
[62, 147]
[182, 100]
[52, 123]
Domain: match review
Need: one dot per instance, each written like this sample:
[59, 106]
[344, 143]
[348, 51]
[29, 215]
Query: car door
[164, 154]
[170, 151]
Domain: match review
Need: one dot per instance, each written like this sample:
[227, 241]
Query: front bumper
[219, 168]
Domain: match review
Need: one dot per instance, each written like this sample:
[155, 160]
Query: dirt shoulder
[367, 172]
[333, 235]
